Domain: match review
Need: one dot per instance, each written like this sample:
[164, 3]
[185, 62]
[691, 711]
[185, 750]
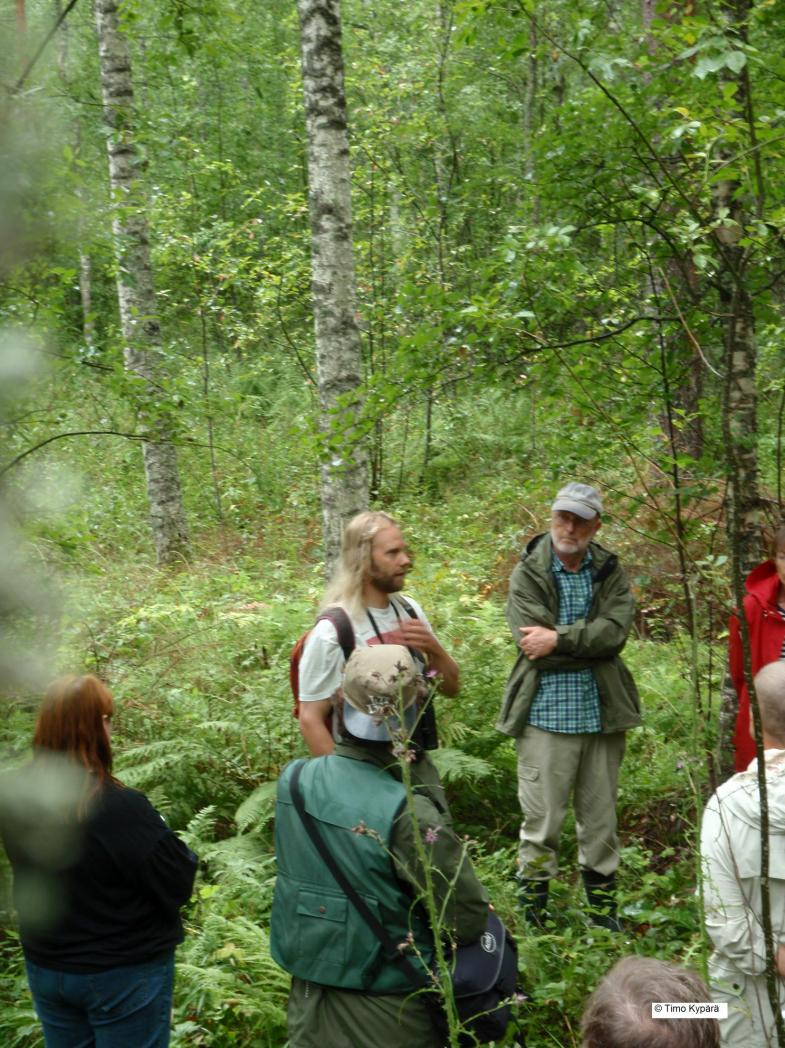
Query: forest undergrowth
[567, 239]
[198, 663]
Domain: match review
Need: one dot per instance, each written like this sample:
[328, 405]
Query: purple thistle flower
[432, 834]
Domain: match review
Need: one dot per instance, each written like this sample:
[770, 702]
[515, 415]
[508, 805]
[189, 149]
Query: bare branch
[29, 67]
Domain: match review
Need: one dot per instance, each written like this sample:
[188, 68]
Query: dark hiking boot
[601, 896]
[533, 899]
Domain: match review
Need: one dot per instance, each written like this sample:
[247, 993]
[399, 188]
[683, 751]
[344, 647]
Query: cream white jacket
[731, 849]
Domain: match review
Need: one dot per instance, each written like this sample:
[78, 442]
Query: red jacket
[767, 632]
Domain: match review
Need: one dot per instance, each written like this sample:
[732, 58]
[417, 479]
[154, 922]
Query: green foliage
[541, 290]
[198, 664]
[19, 1024]
[456, 766]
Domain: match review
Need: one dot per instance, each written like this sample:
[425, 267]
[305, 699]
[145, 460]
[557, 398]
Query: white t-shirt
[322, 662]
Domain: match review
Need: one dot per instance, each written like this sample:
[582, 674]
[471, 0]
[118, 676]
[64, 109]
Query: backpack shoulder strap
[345, 631]
[343, 627]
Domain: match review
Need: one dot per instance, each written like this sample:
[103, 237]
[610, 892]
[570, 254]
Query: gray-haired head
[770, 689]
[619, 1015]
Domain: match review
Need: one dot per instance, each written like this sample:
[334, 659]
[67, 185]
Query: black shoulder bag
[485, 973]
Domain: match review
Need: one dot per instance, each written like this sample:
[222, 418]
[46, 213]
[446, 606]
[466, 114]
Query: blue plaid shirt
[569, 702]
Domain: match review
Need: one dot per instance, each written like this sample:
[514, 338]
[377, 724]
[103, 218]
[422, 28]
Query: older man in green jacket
[569, 700]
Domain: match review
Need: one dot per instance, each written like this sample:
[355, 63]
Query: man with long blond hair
[367, 584]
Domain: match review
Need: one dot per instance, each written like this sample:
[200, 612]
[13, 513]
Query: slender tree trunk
[740, 347]
[736, 532]
[676, 279]
[528, 118]
[21, 34]
[446, 165]
[398, 236]
[208, 407]
[740, 381]
[741, 410]
[740, 360]
[135, 291]
[86, 294]
[85, 259]
[338, 349]
[374, 363]
[740, 433]
[62, 42]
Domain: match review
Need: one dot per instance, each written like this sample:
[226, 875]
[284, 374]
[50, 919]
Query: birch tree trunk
[86, 295]
[740, 346]
[528, 123]
[740, 433]
[338, 351]
[135, 291]
[85, 261]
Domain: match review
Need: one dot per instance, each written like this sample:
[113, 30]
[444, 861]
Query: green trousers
[321, 1017]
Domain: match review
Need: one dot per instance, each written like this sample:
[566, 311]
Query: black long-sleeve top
[97, 890]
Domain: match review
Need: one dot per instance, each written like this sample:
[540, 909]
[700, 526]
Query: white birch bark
[739, 319]
[135, 291]
[86, 295]
[740, 429]
[344, 478]
[739, 414]
[85, 259]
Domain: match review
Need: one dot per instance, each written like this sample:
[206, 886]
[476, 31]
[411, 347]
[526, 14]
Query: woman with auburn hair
[99, 880]
[764, 610]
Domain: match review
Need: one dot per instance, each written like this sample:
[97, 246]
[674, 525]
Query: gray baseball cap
[580, 499]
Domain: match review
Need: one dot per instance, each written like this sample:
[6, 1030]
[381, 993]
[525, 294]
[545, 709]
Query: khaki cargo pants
[551, 767]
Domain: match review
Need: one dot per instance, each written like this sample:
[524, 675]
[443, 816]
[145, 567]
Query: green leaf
[735, 60]
[709, 64]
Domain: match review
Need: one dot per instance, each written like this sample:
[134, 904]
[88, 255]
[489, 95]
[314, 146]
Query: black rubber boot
[533, 897]
[601, 896]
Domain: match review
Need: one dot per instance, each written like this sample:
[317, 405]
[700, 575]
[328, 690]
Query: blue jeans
[120, 1008]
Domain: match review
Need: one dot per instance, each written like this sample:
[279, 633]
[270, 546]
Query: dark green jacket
[594, 642]
[316, 934]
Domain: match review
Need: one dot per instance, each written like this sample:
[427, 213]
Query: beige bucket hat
[380, 681]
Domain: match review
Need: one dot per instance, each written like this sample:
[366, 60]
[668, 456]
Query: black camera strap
[426, 735]
[415, 654]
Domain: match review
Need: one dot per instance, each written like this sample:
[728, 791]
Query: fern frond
[200, 826]
[257, 807]
[456, 766]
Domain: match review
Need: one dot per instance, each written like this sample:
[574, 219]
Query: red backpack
[345, 631]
